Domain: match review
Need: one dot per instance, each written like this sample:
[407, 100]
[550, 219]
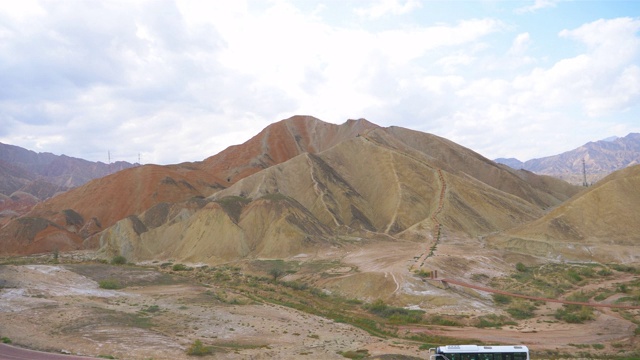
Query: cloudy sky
[173, 80]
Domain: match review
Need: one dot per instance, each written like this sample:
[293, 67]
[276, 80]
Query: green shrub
[179, 267]
[573, 276]
[624, 268]
[394, 314]
[109, 284]
[604, 272]
[574, 314]
[598, 346]
[119, 260]
[522, 311]
[501, 299]
[198, 349]
[358, 354]
[5, 340]
[521, 267]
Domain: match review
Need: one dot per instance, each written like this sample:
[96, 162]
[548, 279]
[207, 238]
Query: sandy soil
[51, 308]
[61, 308]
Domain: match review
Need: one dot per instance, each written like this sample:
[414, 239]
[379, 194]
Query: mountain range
[27, 177]
[303, 186]
[600, 159]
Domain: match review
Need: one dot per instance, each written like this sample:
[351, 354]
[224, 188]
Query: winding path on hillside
[566, 302]
[437, 226]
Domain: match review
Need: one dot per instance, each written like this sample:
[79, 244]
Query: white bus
[479, 352]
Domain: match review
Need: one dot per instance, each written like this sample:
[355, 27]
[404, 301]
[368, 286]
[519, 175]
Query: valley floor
[152, 314]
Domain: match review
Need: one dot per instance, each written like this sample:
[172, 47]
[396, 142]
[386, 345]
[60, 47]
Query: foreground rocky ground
[55, 308]
[160, 311]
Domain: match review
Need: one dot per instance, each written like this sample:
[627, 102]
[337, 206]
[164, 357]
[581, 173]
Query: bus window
[485, 356]
[519, 356]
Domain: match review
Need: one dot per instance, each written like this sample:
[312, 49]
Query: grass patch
[355, 354]
[574, 314]
[394, 314]
[501, 299]
[522, 310]
[109, 284]
[442, 321]
[493, 321]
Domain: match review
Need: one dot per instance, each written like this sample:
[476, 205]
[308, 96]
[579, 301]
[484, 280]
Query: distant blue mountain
[600, 159]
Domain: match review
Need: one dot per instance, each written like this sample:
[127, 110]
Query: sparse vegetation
[493, 321]
[276, 273]
[119, 260]
[5, 340]
[198, 349]
[574, 314]
[151, 309]
[180, 267]
[394, 314]
[109, 284]
[357, 354]
[501, 299]
[523, 309]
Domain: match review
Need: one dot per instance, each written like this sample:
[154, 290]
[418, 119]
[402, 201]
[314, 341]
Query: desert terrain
[239, 311]
[326, 241]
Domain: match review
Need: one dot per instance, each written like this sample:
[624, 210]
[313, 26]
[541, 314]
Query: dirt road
[8, 352]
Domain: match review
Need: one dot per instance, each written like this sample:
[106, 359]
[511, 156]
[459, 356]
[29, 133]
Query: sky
[168, 81]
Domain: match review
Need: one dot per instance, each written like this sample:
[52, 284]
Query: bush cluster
[198, 349]
[394, 314]
[119, 260]
[109, 284]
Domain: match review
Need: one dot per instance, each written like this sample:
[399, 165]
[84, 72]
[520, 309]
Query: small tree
[276, 273]
[198, 349]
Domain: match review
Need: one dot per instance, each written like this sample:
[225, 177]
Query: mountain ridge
[600, 159]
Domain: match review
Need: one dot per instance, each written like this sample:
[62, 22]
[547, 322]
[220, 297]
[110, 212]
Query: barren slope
[101, 203]
[88, 209]
[280, 142]
[543, 191]
[602, 224]
[356, 188]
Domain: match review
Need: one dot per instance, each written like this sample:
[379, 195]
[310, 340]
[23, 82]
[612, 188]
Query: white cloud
[538, 5]
[520, 44]
[388, 7]
[182, 80]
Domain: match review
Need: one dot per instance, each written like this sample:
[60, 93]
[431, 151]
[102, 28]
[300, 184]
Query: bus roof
[482, 348]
